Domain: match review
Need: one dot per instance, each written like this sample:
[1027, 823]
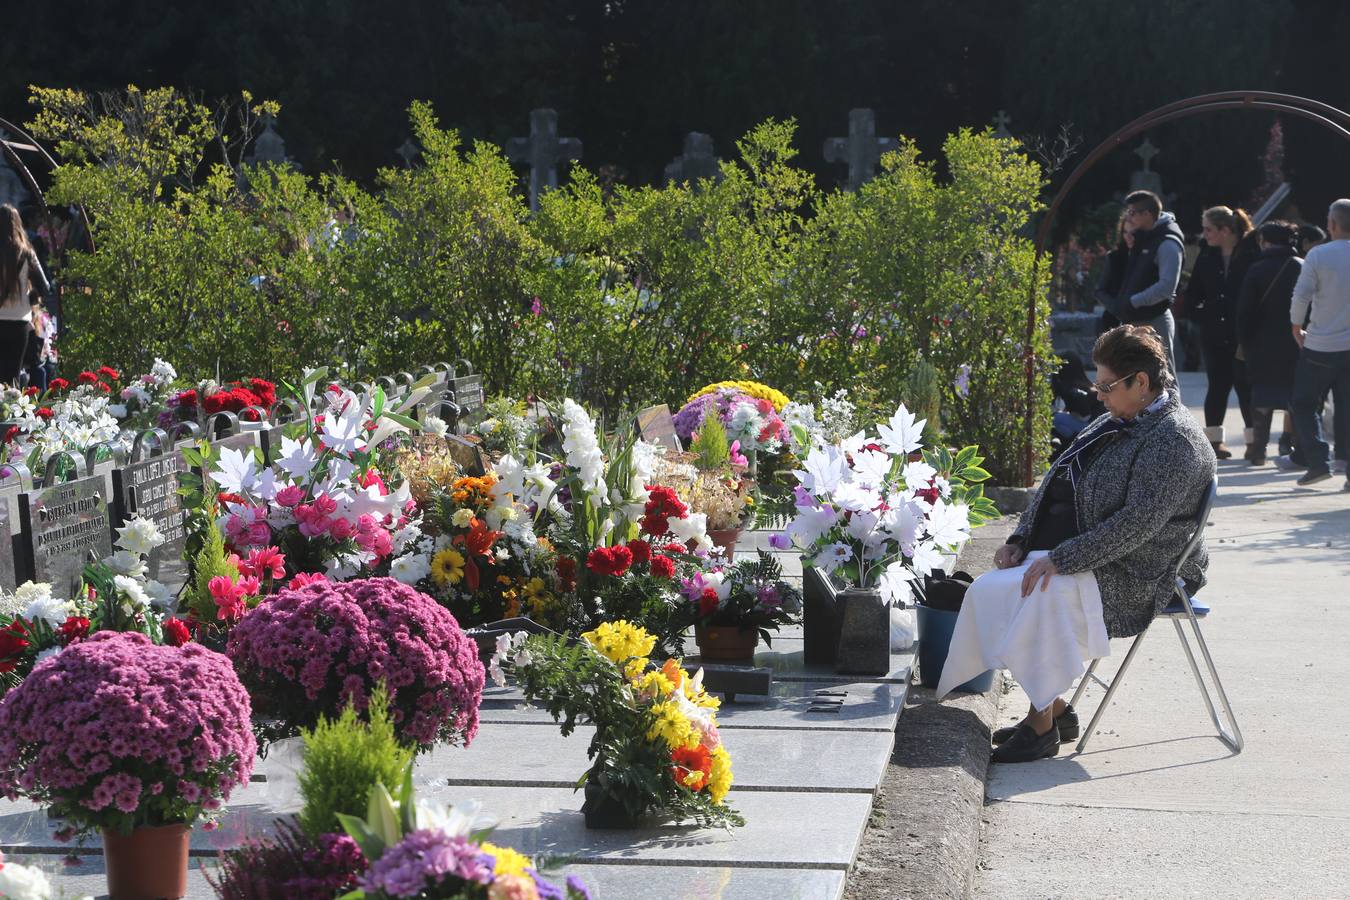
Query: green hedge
[617, 295]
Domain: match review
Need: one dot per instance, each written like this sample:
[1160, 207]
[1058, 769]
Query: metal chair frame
[1230, 734]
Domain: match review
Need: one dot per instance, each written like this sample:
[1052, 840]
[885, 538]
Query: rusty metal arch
[1330, 117]
[22, 140]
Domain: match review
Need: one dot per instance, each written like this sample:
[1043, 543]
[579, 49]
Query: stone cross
[542, 151]
[1001, 123]
[1146, 179]
[269, 147]
[861, 149]
[408, 151]
[697, 161]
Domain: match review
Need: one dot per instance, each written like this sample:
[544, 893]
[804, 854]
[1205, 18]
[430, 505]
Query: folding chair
[1183, 607]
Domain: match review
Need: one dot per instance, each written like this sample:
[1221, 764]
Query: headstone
[1146, 179]
[467, 393]
[11, 570]
[542, 151]
[149, 490]
[696, 163]
[657, 426]
[269, 147]
[1001, 123]
[820, 617]
[861, 149]
[467, 452]
[66, 526]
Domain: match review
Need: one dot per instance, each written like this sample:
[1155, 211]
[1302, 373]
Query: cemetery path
[1158, 806]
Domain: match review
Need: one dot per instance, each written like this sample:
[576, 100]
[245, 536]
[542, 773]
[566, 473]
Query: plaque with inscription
[149, 490]
[467, 392]
[10, 570]
[66, 526]
[657, 426]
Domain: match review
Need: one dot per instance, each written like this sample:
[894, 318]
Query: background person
[1154, 270]
[1212, 295]
[20, 277]
[1091, 559]
[1113, 275]
[1270, 352]
[1322, 300]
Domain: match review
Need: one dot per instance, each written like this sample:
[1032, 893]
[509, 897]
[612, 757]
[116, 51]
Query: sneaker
[1314, 476]
[1287, 463]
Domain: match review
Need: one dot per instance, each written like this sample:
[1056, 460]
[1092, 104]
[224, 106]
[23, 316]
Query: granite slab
[625, 882]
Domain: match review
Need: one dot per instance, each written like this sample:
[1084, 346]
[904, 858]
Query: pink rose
[290, 496]
[340, 529]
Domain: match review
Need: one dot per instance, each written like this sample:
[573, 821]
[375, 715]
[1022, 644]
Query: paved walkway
[1158, 807]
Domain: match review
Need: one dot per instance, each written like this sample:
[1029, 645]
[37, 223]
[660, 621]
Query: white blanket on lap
[1044, 640]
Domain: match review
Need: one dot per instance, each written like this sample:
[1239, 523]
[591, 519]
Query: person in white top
[20, 278]
[1322, 299]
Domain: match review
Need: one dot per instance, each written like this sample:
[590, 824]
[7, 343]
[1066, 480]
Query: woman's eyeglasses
[1108, 388]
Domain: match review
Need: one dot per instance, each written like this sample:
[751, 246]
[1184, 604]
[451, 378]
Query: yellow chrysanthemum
[719, 779]
[509, 862]
[447, 567]
[753, 388]
[511, 603]
[672, 726]
[620, 641]
[654, 684]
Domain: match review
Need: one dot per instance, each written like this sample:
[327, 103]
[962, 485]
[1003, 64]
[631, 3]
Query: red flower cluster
[44, 412]
[697, 760]
[567, 573]
[929, 494]
[662, 503]
[609, 560]
[109, 373]
[641, 550]
[88, 378]
[57, 384]
[235, 397]
[11, 433]
[30, 391]
[663, 567]
[13, 641]
[73, 629]
[707, 602]
[176, 632]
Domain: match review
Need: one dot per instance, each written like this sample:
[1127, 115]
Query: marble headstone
[65, 527]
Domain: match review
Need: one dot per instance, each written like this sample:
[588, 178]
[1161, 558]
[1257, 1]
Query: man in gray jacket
[1324, 362]
[1153, 270]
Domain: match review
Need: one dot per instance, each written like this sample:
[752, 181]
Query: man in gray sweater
[1324, 363]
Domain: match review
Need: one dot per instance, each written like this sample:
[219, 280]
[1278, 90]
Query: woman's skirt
[1044, 640]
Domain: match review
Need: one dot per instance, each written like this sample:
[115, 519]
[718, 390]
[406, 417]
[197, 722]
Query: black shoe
[1314, 476]
[1066, 722]
[1026, 745]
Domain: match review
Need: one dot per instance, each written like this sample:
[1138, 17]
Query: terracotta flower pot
[148, 864]
[725, 538]
[726, 643]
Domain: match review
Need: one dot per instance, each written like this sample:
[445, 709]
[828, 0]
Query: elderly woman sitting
[1092, 557]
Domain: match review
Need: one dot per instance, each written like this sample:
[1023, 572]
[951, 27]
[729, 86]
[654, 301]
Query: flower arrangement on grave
[867, 510]
[749, 597]
[23, 882]
[753, 423]
[226, 585]
[656, 748]
[66, 417]
[721, 489]
[244, 398]
[146, 396]
[308, 652]
[750, 388]
[828, 420]
[116, 596]
[620, 539]
[119, 733]
[423, 849]
[506, 427]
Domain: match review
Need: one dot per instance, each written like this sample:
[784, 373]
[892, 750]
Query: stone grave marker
[66, 525]
[657, 426]
[542, 151]
[148, 488]
[467, 452]
[697, 162]
[12, 566]
[861, 149]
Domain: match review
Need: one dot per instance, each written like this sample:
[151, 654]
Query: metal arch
[1337, 120]
[26, 174]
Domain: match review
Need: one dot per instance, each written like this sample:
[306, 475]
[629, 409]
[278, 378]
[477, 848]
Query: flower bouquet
[656, 747]
[308, 652]
[732, 606]
[752, 422]
[136, 739]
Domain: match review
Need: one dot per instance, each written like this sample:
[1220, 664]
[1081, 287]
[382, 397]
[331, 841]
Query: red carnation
[663, 501]
[674, 548]
[30, 391]
[11, 434]
[58, 384]
[73, 628]
[663, 567]
[567, 573]
[707, 602]
[242, 398]
[104, 387]
[641, 550]
[13, 641]
[109, 373]
[187, 398]
[655, 525]
[88, 378]
[266, 390]
[216, 402]
[44, 412]
[609, 560]
[176, 632]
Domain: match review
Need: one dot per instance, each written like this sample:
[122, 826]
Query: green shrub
[923, 396]
[344, 758]
[710, 447]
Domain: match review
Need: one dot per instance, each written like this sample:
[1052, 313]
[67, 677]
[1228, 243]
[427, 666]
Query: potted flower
[308, 652]
[870, 513]
[720, 488]
[656, 749]
[732, 607]
[137, 740]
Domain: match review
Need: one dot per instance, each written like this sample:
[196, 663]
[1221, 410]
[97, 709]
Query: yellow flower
[512, 604]
[719, 779]
[509, 862]
[671, 725]
[447, 567]
[462, 518]
[654, 684]
[537, 595]
[621, 641]
[753, 388]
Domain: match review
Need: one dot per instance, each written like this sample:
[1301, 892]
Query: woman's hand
[1008, 556]
[1041, 570]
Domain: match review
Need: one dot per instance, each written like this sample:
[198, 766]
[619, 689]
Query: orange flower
[692, 767]
[671, 670]
[480, 538]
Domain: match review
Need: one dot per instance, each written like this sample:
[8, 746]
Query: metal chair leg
[1110, 691]
[1083, 682]
[1232, 736]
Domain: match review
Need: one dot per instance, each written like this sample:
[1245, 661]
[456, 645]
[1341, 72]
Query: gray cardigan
[1136, 506]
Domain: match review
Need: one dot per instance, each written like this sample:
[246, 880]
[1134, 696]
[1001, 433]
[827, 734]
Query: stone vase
[820, 618]
[726, 643]
[148, 863]
[864, 633]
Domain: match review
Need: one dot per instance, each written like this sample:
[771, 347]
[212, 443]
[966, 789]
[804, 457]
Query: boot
[1258, 436]
[1215, 435]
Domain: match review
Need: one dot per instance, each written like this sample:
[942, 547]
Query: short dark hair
[1279, 233]
[1145, 200]
[1128, 349]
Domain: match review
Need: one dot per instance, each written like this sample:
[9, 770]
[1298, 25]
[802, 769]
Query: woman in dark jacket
[1113, 276]
[1212, 298]
[1262, 316]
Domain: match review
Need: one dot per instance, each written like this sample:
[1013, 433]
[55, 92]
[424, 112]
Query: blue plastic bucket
[935, 636]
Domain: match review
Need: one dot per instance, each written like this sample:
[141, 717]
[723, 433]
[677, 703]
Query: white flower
[927, 558]
[498, 516]
[342, 567]
[495, 672]
[832, 556]
[134, 597]
[297, 458]
[918, 474]
[871, 468]
[691, 528]
[895, 583]
[163, 372]
[904, 434]
[161, 596]
[856, 498]
[904, 520]
[139, 536]
[411, 569]
[117, 410]
[435, 425]
[431, 813]
[822, 470]
[49, 609]
[510, 477]
[24, 595]
[811, 524]
[124, 562]
[406, 536]
[949, 524]
[42, 657]
[24, 883]
[235, 471]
